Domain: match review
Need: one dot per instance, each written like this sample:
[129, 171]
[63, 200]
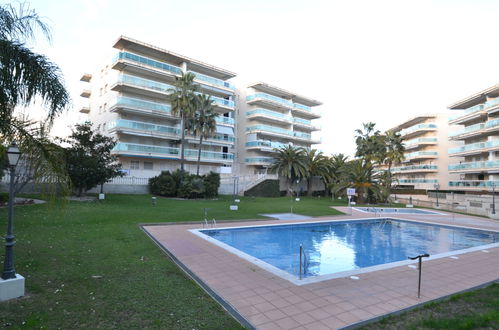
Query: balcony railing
[474, 183]
[265, 144]
[474, 165]
[492, 123]
[225, 120]
[147, 61]
[469, 129]
[302, 121]
[212, 80]
[418, 154]
[478, 107]
[269, 97]
[475, 146]
[412, 142]
[221, 101]
[141, 104]
[414, 167]
[217, 137]
[259, 160]
[208, 154]
[138, 125]
[269, 113]
[146, 149]
[144, 83]
[278, 130]
[401, 181]
[301, 107]
[417, 128]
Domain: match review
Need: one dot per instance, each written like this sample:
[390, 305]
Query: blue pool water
[333, 247]
[394, 210]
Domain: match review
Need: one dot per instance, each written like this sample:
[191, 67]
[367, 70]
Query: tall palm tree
[358, 174]
[183, 102]
[370, 144]
[290, 162]
[335, 165]
[394, 154]
[316, 164]
[26, 76]
[203, 123]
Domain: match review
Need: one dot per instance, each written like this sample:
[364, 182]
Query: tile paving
[267, 301]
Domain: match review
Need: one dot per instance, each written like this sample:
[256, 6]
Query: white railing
[129, 180]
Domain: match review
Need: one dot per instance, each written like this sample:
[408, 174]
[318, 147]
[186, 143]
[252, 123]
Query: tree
[358, 174]
[335, 165]
[370, 144]
[183, 101]
[203, 123]
[316, 165]
[290, 162]
[26, 77]
[394, 154]
[89, 159]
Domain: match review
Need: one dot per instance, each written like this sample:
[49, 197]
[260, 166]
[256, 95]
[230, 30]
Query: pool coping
[319, 278]
[479, 270]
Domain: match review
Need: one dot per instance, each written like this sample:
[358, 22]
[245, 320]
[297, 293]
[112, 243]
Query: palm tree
[335, 165]
[316, 164]
[183, 101]
[26, 76]
[203, 123]
[290, 162]
[370, 144]
[358, 174]
[394, 154]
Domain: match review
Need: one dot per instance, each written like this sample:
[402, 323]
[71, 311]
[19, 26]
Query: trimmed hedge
[267, 188]
[193, 186]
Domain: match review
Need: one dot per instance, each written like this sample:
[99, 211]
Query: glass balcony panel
[475, 146]
[474, 183]
[141, 104]
[221, 101]
[401, 181]
[265, 144]
[302, 121]
[208, 154]
[259, 160]
[144, 126]
[269, 113]
[301, 107]
[469, 129]
[270, 98]
[278, 130]
[420, 140]
[144, 83]
[225, 120]
[474, 165]
[146, 148]
[414, 167]
[492, 123]
[416, 128]
[212, 80]
[421, 153]
[147, 61]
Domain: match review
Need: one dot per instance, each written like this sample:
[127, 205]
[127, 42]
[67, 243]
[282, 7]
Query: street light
[13, 154]
[437, 186]
[493, 197]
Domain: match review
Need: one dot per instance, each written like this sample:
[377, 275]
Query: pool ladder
[206, 224]
[303, 262]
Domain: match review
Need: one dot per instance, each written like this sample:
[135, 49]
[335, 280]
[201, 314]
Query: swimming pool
[393, 210]
[342, 248]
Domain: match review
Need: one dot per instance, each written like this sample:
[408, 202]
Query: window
[148, 165]
[134, 165]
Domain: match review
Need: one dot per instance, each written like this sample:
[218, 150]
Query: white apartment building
[426, 160]
[127, 98]
[478, 162]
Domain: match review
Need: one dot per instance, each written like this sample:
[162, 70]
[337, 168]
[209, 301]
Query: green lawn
[88, 264]
[472, 310]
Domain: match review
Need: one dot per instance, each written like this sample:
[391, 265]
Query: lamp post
[437, 186]
[9, 271]
[493, 197]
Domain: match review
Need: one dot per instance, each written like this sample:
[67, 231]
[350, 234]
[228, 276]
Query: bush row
[169, 184]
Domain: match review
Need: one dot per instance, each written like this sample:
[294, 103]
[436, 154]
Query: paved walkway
[269, 302]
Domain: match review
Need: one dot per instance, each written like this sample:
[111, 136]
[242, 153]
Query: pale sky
[380, 61]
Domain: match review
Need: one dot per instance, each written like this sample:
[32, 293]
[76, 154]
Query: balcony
[222, 103]
[477, 111]
[475, 167]
[144, 129]
[216, 138]
[269, 100]
[420, 155]
[262, 161]
[266, 146]
[86, 93]
[147, 87]
[213, 81]
[304, 111]
[475, 148]
[85, 109]
[415, 168]
[417, 129]
[473, 184]
[416, 143]
[222, 120]
[209, 156]
[467, 132]
[305, 124]
[268, 115]
[131, 149]
[281, 132]
[133, 105]
[412, 181]
[124, 59]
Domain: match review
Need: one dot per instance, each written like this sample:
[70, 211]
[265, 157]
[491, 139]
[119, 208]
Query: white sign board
[351, 191]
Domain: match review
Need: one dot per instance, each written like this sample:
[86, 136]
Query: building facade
[476, 160]
[128, 99]
[426, 159]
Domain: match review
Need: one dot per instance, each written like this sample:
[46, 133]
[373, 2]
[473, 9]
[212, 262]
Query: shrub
[211, 184]
[4, 198]
[267, 188]
[193, 186]
[163, 185]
